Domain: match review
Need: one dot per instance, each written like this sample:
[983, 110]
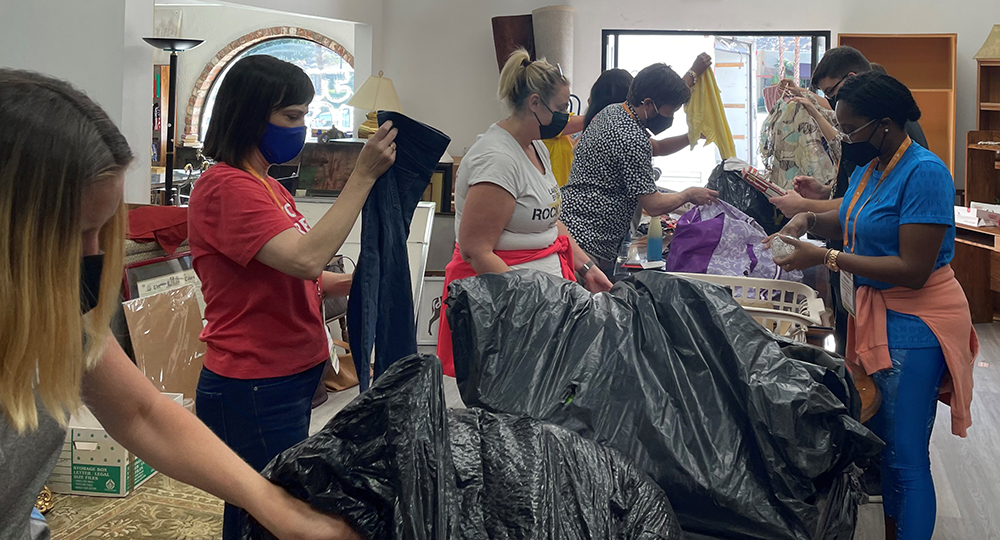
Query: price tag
[847, 292]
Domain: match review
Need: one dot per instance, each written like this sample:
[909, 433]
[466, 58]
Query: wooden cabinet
[988, 94]
[925, 63]
[161, 94]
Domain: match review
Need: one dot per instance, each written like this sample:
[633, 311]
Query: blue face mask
[282, 144]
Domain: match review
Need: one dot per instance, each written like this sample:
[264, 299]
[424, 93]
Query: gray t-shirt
[26, 461]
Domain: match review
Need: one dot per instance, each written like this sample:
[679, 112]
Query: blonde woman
[507, 201]
[62, 225]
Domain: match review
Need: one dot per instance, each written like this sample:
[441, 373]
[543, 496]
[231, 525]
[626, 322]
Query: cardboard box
[977, 216]
[92, 463]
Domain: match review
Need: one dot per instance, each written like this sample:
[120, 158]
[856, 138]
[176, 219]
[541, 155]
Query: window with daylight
[332, 77]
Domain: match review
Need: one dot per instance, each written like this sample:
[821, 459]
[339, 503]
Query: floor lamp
[173, 46]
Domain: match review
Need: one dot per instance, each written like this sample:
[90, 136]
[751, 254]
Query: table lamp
[173, 46]
[991, 48]
[377, 94]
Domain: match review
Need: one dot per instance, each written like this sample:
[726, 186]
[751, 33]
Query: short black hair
[876, 96]
[255, 87]
[838, 62]
[611, 87]
[661, 84]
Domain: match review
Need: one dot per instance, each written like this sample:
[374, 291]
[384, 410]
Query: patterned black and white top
[612, 167]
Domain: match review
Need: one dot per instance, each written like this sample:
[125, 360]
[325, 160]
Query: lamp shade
[377, 94]
[990, 49]
[173, 44]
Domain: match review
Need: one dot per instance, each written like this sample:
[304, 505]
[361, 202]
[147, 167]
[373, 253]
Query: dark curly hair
[874, 96]
[662, 84]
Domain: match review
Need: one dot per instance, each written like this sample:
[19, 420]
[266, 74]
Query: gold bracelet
[815, 218]
[831, 260]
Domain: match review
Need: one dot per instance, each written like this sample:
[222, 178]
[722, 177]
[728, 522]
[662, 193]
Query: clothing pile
[719, 239]
[727, 180]
[751, 436]
[792, 144]
[397, 465]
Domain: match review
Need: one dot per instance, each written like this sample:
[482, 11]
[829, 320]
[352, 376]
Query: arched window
[331, 74]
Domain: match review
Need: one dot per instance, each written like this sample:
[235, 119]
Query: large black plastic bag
[737, 192]
[746, 439]
[397, 465]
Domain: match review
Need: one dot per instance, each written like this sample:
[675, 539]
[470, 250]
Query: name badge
[847, 292]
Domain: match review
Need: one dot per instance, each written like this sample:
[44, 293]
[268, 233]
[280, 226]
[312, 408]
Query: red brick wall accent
[192, 114]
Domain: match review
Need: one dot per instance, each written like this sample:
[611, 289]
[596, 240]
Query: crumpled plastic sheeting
[749, 435]
[396, 464]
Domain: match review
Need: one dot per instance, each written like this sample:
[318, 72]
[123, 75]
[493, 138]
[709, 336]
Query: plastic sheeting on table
[397, 465]
[750, 436]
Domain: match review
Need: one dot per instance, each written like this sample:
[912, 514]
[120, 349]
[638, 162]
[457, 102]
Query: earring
[887, 130]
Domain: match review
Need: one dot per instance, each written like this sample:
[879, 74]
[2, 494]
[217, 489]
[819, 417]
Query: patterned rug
[160, 509]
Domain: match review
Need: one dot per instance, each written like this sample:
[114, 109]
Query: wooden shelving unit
[158, 114]
[926, 64]
[988, 94]
[977, 249]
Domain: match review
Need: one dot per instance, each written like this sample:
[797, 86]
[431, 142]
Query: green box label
[96, 478]
[142, 471]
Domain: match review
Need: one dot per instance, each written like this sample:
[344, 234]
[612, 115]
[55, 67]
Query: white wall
[96, 46]
[218, 25]
[440, 53]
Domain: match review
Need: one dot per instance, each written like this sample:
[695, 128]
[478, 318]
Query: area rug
[160, 509]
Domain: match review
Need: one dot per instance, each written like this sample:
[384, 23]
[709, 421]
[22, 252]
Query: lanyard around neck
[267, 186]
[861, 188]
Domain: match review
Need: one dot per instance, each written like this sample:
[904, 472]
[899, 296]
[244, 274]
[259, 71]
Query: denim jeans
[380, 308]
[257, 418]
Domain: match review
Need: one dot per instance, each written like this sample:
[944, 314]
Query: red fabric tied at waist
[943, 307]
[459, 269]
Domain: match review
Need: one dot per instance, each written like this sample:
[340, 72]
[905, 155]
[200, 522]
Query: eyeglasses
[833, 90]
[848, 136]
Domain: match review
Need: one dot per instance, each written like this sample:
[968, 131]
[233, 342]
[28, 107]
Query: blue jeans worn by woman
[904, 422]
[257, 418]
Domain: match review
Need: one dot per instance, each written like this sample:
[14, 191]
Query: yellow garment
[561, 157]
[706, 116]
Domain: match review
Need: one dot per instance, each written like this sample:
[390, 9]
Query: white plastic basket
[784, 308]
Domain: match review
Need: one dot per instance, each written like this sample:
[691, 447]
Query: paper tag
[847, 292]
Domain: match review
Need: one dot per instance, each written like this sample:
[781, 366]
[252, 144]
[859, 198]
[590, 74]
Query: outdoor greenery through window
[332, 77]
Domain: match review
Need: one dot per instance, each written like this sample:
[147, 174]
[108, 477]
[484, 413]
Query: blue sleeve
[929, 196]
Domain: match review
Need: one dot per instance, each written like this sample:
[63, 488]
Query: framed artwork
[429, 310]
[325, 167]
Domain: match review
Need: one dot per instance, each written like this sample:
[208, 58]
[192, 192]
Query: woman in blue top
[897, 224]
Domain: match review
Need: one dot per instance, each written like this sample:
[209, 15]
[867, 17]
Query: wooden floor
[966, 471]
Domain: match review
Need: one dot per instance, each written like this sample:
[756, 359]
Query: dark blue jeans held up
[380, 309]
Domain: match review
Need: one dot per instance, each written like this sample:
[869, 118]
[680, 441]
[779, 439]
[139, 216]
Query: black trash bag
[748, 440]
[396, 465]
[737, 192]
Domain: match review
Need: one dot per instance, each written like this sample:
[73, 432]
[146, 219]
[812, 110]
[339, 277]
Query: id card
[847, 292]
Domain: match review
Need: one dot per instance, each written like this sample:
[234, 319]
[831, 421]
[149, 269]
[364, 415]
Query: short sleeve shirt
[262, 322]
[612, 168]
[497, 158]
[919, 189]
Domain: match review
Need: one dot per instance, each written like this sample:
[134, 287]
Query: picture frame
[324, 168]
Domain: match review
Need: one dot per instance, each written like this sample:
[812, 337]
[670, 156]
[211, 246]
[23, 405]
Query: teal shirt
[919, 189]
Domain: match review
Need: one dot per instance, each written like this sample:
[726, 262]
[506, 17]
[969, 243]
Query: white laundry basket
[784, 308]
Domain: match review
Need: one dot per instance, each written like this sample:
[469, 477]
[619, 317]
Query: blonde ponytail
[520, 78]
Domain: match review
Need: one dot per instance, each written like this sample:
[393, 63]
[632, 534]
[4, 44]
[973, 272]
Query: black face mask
[861, 153]
[91, 268]
[555, 127]
[833, 102]
[659, 123]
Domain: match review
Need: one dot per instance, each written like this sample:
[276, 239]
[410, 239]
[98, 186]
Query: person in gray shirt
[62, 236]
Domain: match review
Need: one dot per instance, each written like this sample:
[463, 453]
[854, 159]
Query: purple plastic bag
[719, 239]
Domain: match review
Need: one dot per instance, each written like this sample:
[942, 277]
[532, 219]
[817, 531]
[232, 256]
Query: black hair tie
[525, 63]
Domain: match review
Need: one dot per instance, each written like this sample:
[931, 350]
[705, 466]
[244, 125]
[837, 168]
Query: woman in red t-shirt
[262, 266]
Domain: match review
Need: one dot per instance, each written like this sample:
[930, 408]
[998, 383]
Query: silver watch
[586, 268]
